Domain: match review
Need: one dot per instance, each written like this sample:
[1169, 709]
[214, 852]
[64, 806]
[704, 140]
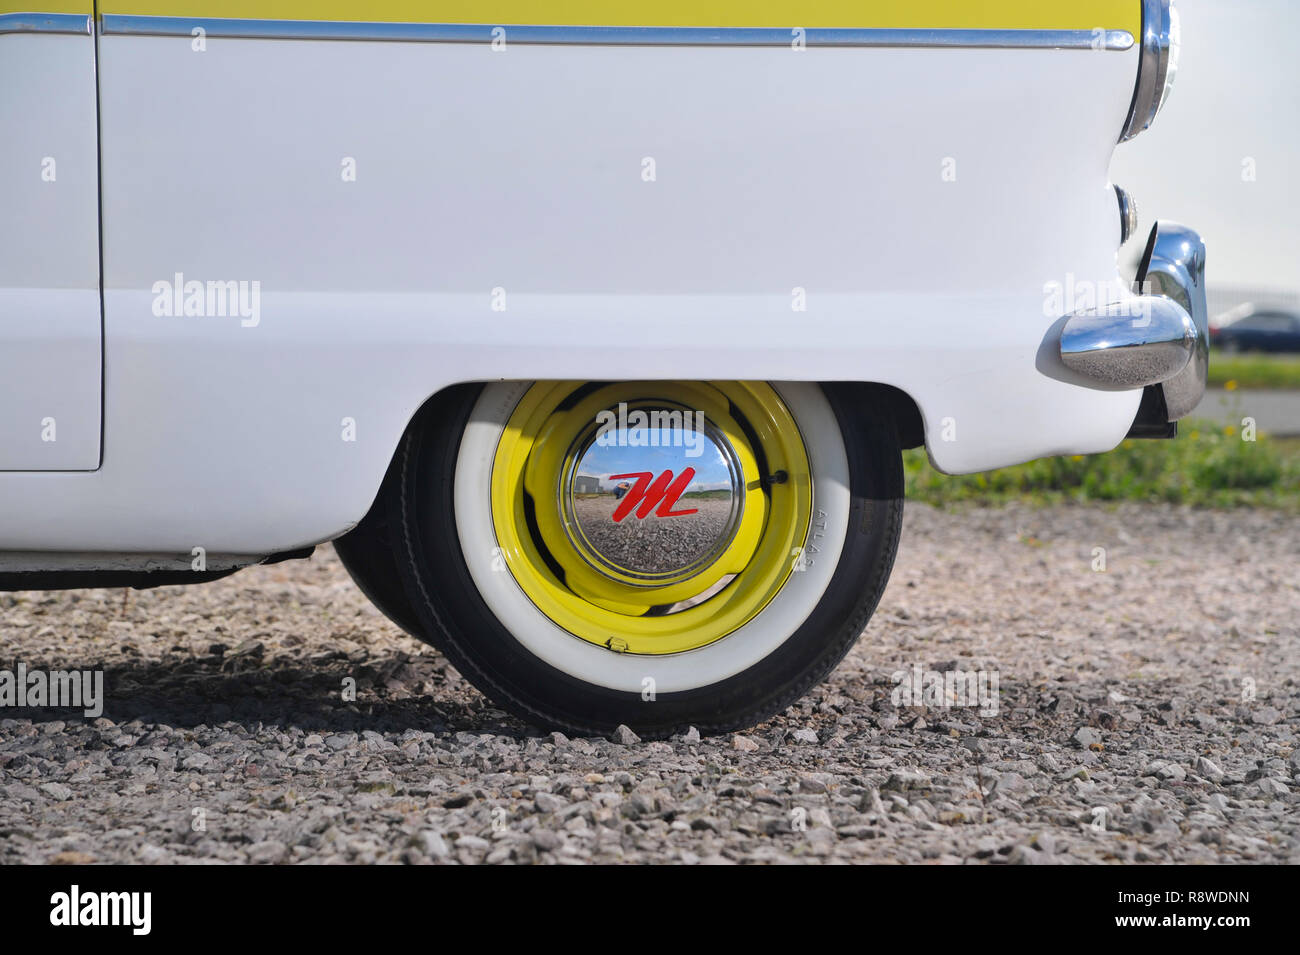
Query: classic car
[590, 334]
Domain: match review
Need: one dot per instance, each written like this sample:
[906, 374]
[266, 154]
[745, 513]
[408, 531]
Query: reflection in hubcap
[652, 493]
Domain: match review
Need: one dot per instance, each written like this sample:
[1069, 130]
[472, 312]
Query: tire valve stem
[617, 644]
[780, 477]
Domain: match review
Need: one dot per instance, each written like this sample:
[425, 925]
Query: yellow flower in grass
[1230, 385]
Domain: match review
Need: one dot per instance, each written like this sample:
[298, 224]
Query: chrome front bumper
[1161, 337]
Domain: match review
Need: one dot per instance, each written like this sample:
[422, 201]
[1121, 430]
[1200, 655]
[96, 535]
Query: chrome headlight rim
[1128, 214]
[1156, 67]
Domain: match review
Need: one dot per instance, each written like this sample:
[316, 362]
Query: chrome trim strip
[78, 23]
[114, 24]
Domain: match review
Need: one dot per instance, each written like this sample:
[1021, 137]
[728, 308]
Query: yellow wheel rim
[685, 607]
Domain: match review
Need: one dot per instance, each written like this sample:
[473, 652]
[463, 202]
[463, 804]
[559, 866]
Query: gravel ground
[1147, 712]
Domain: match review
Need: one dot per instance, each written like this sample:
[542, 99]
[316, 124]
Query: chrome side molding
[116, 24]
[77, 23]
[1160, 336]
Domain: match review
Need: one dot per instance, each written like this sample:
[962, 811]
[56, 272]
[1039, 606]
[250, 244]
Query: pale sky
[1237, 97]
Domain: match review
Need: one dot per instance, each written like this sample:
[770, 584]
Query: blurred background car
[1254, 328]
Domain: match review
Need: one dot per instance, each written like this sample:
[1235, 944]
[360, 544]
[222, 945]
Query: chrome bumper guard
[1162, 337]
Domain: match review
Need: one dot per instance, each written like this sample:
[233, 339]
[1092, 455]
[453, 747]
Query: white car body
[404, 216]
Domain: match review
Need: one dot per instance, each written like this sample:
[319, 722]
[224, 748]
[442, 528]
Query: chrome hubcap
[652, 493]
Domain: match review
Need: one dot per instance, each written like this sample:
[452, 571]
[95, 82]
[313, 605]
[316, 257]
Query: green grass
[1207, 465]
[1254, 370]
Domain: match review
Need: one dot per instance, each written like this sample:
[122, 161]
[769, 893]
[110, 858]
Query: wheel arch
[899, 407]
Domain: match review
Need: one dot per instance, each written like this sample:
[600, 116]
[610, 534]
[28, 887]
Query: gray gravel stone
[270, 852]
[546, 802]
[625, 736]
[1208, 769]
[1086, 737]
[1167, 770]
[56, 791]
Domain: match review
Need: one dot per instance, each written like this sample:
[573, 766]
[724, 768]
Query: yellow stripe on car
[824, 14]
[47, 6]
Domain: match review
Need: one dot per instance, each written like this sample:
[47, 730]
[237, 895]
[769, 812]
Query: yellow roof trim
[843, 14]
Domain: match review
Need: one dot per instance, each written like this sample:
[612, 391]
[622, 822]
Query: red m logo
[650, 490]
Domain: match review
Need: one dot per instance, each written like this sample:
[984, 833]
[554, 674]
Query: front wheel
[655, 554]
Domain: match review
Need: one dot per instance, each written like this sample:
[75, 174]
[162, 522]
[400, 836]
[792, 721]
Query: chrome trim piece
[113, 24]
[77, 23]
[1160, 337]
[618, 505]
[1128, 215]
[1153, 67]
[1176, 270]
[1112, 345]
